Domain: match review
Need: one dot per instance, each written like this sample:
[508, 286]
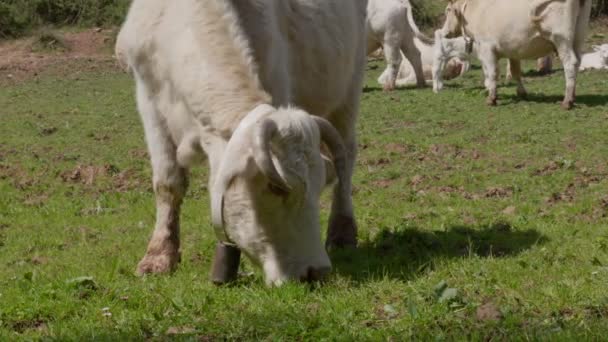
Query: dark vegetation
[18, 17]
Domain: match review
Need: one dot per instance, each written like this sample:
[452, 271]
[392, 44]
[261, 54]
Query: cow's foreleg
[170, 183]
[571, 63]
[515, 68]
[342, 229]
[392, 54]
[437, 71]
[490, 69]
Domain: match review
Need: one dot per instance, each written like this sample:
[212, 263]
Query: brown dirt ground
[87, 50]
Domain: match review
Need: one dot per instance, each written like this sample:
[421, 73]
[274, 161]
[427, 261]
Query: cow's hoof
[226, 262]
[161, 263]
[522, 93]
[342, 233]
[567, 105]
[388, 87]
[491, 101]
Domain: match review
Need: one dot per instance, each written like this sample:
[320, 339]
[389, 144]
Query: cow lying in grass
[597, 59]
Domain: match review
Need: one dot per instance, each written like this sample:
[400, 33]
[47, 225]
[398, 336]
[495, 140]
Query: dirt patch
[565, 196]
[396, 148]
[92, 175]
[488, 312]
[24, 325]
[20, 61]
[384, 183]
[498, 192]
[548, 169]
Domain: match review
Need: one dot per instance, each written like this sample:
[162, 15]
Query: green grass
[507, 206]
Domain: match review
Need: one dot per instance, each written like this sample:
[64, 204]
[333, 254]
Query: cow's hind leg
[342, 229]
[170, 183]
[412, 54]
[393, 61]
[515, 67]
[571, 62]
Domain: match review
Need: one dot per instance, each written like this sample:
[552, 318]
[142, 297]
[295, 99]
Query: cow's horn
[331, 138]
[262, 143]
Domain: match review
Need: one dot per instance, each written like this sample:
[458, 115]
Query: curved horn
[262, 141]
[333, 140]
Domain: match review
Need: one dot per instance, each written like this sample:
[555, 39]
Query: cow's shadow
[589, 100]
[407, 253]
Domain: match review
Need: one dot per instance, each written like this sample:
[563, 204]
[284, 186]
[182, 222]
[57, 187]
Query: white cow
[597, 59]
[227, 78]
[406, 76]
[522, 29]
[390, 25]
[446, 49]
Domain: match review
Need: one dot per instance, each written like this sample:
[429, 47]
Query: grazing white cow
[597, 59]
[446, 49]
[406, 76]
[522, 29]
[240, 81]
[390, 25]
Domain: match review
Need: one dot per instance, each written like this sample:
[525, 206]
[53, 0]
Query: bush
[17, 17]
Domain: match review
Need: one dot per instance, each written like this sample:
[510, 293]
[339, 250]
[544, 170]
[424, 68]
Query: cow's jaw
[282, 236]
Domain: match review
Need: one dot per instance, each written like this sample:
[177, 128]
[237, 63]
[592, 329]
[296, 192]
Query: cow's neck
[236, 88]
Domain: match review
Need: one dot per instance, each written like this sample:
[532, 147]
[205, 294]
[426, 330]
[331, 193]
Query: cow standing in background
[522, 29]
[391, 26]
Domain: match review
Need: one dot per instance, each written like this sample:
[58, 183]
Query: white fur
[200, 68]
[522, 29]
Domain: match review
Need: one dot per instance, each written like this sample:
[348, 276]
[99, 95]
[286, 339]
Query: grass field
[475, 222]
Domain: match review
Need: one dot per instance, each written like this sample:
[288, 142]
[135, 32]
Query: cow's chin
[280, 235]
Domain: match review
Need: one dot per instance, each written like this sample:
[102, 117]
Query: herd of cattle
[269, 90]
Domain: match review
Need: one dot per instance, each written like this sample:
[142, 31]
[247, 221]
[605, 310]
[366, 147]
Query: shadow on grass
[404, 254]
[589, 100]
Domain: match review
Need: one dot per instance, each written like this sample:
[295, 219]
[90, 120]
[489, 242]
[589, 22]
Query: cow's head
[603, 52]
[454, 18]
[265, 195]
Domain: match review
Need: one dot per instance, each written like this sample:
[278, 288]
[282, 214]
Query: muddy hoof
[162, 263]
[491, 102]
[389, 87]
[342, 233]
[567, 105]
[225, 264]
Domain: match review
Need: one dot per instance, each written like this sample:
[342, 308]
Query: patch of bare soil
[85, 51]
[91, 175]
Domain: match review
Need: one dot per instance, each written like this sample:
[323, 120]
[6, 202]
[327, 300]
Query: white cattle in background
[240, 81]
[446, 49]
[522, 29]
[454, 67]
[390, 25]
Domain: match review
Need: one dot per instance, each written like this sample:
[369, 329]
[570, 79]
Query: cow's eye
[277, 190]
